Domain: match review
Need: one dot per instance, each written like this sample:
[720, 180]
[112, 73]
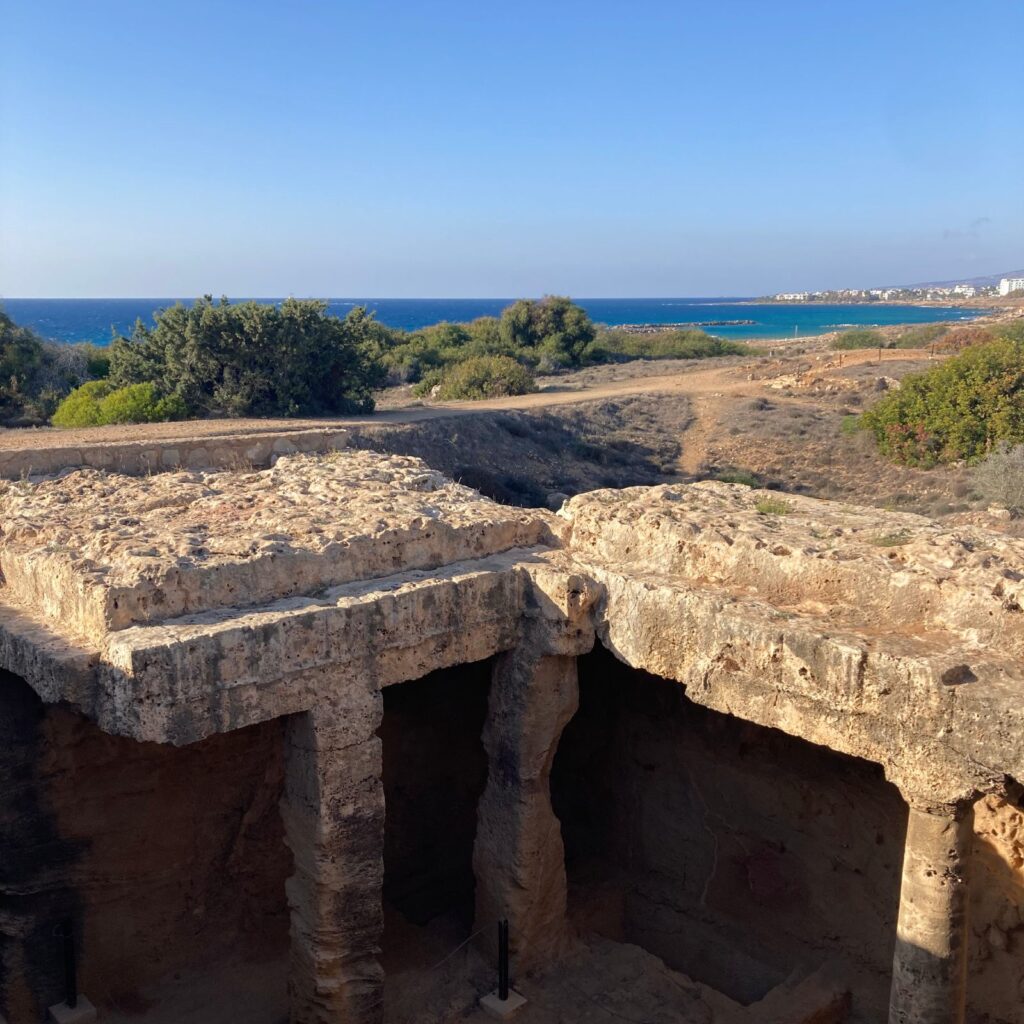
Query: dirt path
[715, 381]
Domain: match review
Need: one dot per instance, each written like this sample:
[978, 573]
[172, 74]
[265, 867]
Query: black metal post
[67, 933]
[503, 960]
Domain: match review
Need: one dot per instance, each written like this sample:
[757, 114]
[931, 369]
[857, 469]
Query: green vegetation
[922, 336]
[485, 377]
[99, 402]
[892, 540]
[426, 353]
[258, 359]
[35, 374]
[554, 330]
[961, 409]
[739, 476]
[255, 359]
[859, 338]
[544, 336]
[619, 346]
[772, 506]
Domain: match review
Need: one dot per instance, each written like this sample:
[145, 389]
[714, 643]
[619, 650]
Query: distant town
[1005, 286]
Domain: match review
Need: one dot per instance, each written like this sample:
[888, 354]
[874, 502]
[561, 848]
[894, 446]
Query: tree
[555, 329]
[255, 359]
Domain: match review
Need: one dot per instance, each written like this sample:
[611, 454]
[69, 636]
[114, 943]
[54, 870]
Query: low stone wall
[138, 458]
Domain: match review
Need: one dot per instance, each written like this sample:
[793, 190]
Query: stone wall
[164, 857]
[996, 959]
[140, 458]
[739, 854]
[736, 853]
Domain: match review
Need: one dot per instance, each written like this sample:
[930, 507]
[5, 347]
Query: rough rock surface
[176, 606]
[877, 634]
[97, 551]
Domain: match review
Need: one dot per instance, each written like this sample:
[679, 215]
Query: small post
[75, 1009]
[503, 960]
[67, 933]
[504, 1001]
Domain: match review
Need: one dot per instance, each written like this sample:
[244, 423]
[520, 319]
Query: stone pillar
[519, 858]
[333, 810]
[929, 971]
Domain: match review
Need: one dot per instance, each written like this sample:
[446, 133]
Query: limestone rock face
[877, 634]
[96, 551]
[172, 607]
[882, 573]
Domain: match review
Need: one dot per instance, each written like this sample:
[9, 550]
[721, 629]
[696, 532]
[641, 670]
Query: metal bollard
[503, 960]
[66, 931]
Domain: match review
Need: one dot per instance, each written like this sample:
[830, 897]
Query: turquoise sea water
[97, 319]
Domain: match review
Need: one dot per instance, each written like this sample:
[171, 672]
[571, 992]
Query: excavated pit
[737, 854]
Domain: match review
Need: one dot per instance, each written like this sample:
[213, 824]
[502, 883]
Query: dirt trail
[716, 381]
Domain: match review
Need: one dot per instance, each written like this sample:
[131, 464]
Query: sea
[99, 320]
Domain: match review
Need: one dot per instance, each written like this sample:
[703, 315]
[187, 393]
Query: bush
[98, 403]
[921, 337]
[554, 329]
[486, 377]
[858, 339]
[1000, 478]
[82, 407]
[738, 476]
[772, 506]
[961, 409]
[256, 359]
[619, 346]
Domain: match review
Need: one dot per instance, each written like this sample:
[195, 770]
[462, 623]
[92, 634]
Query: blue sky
[473, 148]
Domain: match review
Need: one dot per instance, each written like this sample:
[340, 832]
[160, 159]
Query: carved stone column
[333, 810]
[929, 973]
[519, 858]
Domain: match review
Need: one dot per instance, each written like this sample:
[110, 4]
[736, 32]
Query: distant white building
[966, 290]
[1011, 284]
[792, 296]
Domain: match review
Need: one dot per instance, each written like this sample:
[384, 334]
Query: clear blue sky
[151, 148]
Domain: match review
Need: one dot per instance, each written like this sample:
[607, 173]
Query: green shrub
[486, 377]
[892, 540]
[739, 476]
[140, 403]
[256, 359]
[922, 336]
[859, 338]
[82, 407]
[960, 409]
[554, 330]
[772, 506]
[98, 403]
[619, 346]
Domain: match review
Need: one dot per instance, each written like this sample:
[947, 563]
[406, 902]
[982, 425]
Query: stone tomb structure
[249, 715]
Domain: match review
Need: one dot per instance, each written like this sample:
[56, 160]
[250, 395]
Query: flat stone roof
[861, 569]
[170, 606]
[94, 551]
